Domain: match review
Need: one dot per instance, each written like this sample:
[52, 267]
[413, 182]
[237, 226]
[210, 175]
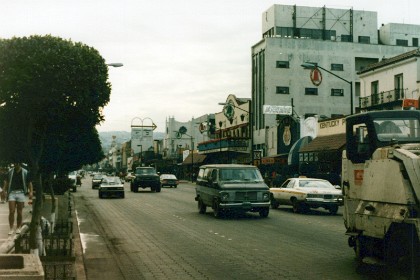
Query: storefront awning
[293, 158]
[325, 143]
[198, 158]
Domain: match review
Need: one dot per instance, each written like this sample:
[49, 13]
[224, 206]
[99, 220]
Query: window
[337, 67]
[282, 64]
[364, 39]
[374, 89]
[402, 42]
[337, 92]
[399, 86]
[346, 38]
[311, 91]
[415, 42]
[282, 90]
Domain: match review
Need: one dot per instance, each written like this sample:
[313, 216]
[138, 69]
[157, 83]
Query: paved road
[162, 236]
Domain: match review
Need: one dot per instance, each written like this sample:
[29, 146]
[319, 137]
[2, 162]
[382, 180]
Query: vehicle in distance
[145, 177]
[304, 193]
[232, 188]
[96, 180]
[73, 179]
[169, 180]
[111, 187]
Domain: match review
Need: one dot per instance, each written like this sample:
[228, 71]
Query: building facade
[342, 41]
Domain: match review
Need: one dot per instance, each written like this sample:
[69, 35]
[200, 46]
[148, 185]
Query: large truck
[381, 186]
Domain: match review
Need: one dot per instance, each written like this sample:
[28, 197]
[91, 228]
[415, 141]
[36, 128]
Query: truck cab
[381, 185]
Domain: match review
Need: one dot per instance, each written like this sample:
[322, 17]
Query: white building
[391, 83]
[184, 136]
[341, 41]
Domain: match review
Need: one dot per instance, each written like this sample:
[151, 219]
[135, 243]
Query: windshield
[236, 174]
[315, 184]
[407, 129]
[145, 171]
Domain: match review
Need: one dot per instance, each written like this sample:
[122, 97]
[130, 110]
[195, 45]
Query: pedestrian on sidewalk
[17, 184]
[3, 174]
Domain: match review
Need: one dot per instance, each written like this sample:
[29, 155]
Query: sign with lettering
[277, 110]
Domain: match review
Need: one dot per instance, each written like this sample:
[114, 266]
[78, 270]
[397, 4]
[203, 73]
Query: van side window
[214, 175]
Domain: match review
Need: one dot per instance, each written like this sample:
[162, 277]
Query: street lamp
[308, 65]
[116, 64]
[250, 122]
[141, 153]
[180, 133]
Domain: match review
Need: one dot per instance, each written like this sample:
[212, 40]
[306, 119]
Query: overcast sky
[181, 57]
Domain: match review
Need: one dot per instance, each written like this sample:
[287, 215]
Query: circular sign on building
[316, 77]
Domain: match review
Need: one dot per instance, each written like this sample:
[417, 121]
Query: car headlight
[224, 196]
[266, 196]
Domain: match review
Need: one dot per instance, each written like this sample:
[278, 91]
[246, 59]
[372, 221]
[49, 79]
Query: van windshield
[235, 174]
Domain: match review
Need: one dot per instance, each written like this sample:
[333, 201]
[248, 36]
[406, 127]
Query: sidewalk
[6, 240]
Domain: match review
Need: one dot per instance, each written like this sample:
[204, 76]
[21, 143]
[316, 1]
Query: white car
[73, 178]
[303, 193]
[111, 186]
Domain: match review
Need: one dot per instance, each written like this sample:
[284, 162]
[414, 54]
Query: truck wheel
[360, 249]
[264, 212]
[201, 206]
[217, 211]
[158, 188]
[333, 210]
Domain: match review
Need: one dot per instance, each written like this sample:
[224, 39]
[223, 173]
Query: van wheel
[217, 211]
[201, 207]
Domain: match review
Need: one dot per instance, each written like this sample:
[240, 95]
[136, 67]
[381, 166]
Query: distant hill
[121, 137]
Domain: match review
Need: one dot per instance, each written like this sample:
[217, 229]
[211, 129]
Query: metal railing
[382, 98]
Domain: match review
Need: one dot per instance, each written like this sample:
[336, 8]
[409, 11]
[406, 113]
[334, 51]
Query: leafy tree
[46, 85]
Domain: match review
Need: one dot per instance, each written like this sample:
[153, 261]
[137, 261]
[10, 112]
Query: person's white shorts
[17, 196]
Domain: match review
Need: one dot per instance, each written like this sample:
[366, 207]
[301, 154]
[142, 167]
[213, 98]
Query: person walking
[17, 184]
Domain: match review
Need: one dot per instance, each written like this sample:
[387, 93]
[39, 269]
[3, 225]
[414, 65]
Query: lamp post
[141, 154]
[308, 65]
[116, 64]
[192, 151]
[250, 122]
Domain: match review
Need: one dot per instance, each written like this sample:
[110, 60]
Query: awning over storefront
[293, 158]
[198, 158]
[325, 143]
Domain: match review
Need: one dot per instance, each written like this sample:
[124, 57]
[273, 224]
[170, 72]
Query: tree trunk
[36, 212]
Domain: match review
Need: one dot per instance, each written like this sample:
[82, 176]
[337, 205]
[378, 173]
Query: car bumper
[244, 205]
[319, 202]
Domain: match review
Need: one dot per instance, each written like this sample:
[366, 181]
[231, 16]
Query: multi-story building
[391, 84]
[340, 41]
[183, 137]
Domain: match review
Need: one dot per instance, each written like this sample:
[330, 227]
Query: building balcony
[382, 100]
[232, 144]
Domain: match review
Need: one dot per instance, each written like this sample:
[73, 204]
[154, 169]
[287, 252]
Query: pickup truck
[145, 177]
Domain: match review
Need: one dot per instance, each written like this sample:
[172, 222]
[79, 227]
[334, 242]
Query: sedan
[96, 180]
[303, 193]
[111, 187]
[169, 180]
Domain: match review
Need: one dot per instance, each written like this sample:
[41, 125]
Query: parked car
[96, 180]
[169, 180]
[111, 187]
[232, 187]
[304, 193]
[73, 178]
